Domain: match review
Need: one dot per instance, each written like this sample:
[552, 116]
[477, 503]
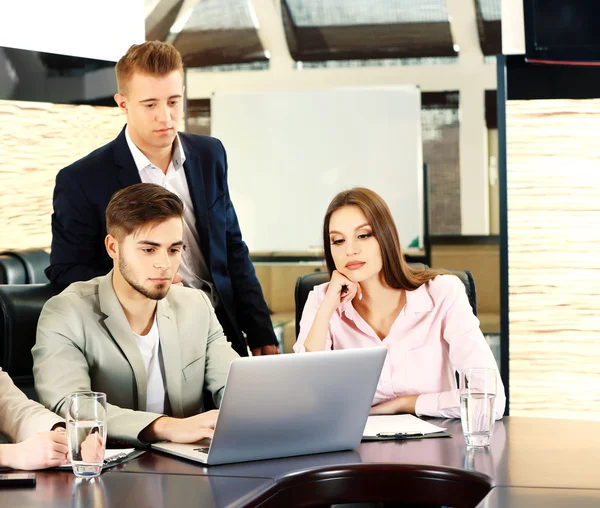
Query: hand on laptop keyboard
[181, 430]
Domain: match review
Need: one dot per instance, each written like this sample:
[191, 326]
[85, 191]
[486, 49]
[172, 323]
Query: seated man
[29, 426]
[150, 346]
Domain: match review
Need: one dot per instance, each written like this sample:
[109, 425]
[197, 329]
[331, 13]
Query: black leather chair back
[20, 309]
[24, 266]
[12, 270]
[305, 284]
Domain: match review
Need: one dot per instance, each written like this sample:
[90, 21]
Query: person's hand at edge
[269, 349]
[43, 450]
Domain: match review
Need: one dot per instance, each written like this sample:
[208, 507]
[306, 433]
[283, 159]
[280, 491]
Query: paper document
[110, 455]
[398, 424]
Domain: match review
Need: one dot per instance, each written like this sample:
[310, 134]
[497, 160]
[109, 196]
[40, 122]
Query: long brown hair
[397, 273]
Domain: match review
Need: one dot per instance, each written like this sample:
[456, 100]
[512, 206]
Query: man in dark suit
[149, 149]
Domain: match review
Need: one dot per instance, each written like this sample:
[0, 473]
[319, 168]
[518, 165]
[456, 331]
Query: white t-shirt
[155, 388]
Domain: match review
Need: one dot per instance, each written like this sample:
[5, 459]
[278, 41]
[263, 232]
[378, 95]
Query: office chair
[23, 266]
[12, 270]
[20, 309]
[305, 284]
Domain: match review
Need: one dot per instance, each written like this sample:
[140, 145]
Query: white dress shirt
[149, 345]
[193, 266]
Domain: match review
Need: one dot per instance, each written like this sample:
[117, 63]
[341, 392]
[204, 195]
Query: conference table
[531, 462]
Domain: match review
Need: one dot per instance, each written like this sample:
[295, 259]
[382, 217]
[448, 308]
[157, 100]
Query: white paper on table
[399, 424]
[108, 454]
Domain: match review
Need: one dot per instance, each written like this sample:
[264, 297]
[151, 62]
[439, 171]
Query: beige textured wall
[554, 257]
[36, 141]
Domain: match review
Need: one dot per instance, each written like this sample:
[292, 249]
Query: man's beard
[158, 294]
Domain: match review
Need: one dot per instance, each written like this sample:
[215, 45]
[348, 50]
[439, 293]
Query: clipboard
[404, 436]
[400, 427]
[121, 458]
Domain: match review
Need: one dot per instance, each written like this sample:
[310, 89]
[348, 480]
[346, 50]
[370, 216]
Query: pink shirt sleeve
[467, 348]
[315, 297]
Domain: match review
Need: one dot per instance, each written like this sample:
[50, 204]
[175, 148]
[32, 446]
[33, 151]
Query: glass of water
[86, 432]
[477, 398]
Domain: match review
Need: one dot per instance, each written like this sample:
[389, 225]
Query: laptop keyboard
[201, 450]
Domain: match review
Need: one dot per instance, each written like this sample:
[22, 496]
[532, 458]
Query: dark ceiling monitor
[27, 75]
[562, 31]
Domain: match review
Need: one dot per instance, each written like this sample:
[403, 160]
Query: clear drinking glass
[477, 398]
[86, 432]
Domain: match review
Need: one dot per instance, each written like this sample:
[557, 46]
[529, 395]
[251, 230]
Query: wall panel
[38, 139]
[553, 189]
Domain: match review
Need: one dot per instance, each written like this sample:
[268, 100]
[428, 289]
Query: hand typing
[181, 430]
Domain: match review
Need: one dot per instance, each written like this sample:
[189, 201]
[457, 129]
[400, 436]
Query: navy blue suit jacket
[83, 191]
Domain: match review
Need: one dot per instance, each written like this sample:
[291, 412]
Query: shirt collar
[142, 162]
[348, 309]
[417, 300]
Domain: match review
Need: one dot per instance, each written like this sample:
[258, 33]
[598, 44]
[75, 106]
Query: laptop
[291, 404]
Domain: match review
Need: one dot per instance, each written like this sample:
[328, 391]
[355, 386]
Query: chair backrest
[20, 309]
[24, 266]
[305, 284]
[12, 270]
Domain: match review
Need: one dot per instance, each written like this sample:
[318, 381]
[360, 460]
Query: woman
[29, 425]
[422, 316]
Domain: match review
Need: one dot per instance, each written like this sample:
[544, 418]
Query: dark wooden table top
[115, 489]
[541, 498]
[529, 459]
[525, 452]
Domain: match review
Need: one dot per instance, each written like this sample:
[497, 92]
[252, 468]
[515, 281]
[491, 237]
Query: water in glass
[477, 416]
[87, 441]
[86, 432]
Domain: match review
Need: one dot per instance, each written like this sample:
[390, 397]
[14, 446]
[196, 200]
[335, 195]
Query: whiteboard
[289, 153]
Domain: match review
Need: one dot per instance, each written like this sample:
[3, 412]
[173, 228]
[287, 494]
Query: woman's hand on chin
[341, 289]
[399, 405]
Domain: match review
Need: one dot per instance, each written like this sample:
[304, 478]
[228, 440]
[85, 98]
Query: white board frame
[290, 152]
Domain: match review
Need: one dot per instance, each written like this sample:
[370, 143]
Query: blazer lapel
[127, 172]
[193, 174]
[121, 332]
[171, 355]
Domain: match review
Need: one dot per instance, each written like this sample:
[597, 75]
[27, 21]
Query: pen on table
[114, 458]
[400, 434]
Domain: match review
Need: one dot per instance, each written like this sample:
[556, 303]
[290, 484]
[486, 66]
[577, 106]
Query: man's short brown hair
[138, 206]
[152, 57]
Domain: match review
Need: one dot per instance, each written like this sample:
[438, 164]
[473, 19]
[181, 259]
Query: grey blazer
[20, 417]
[84, 342]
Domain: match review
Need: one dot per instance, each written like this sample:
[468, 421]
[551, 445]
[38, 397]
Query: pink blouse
[435, 334]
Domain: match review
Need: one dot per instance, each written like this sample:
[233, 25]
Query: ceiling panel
[366, 12]
[367, 29]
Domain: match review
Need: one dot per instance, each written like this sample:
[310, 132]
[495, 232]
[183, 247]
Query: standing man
[149, 149]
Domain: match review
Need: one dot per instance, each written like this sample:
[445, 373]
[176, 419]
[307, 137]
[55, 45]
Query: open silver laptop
[293, 404]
